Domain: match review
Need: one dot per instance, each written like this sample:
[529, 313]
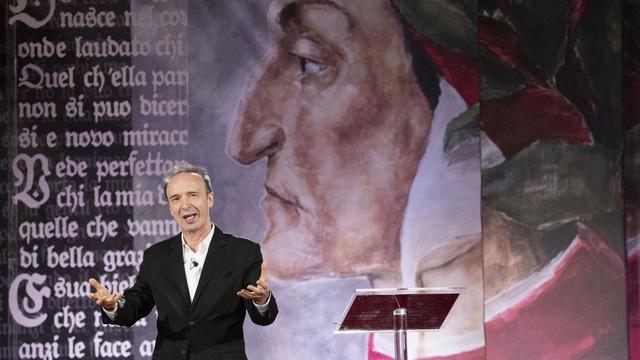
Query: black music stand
[398, 311]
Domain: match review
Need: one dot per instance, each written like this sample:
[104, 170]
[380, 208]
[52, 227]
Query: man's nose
[184, 203]
[257, 131]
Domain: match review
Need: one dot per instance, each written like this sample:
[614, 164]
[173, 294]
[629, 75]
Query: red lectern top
[371, 310]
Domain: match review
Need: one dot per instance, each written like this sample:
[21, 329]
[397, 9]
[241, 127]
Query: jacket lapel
[215, 256]
[175, 269]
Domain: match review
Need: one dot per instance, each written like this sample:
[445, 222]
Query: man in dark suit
[193, 280]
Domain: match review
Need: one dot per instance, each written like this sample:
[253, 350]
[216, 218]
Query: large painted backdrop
[362, 143]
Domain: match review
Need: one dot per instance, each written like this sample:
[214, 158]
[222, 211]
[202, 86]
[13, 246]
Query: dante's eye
[310, 67]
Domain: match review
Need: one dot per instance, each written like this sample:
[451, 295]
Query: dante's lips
[272, 195]
[283, 215]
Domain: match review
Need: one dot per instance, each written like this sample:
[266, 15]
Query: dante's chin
[293, 253]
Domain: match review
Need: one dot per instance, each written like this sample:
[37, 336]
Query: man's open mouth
[189, 217]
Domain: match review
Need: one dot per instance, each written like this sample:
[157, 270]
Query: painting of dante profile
[355, 133]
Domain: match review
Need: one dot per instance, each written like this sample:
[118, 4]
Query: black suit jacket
[210, 327]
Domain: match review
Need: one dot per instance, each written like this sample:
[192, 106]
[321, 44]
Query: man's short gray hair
[184, 167]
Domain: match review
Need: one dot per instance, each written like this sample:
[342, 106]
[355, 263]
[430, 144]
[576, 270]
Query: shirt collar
[202, 248]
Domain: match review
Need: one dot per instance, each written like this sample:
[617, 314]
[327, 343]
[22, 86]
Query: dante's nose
[249, 143]
[257, 131]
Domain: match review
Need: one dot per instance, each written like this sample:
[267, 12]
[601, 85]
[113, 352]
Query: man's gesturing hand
[259, 293]
[103, 297]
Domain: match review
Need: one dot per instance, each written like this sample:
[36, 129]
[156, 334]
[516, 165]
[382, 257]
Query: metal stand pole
[400, 333]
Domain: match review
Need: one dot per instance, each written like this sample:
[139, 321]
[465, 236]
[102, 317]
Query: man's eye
[310, 67]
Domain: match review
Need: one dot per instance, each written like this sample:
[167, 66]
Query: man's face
[337, 111]
[189, 203]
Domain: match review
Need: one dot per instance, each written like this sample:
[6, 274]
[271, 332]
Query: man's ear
[210, 199]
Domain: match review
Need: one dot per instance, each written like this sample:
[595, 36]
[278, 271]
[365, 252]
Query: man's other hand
[103, 297]
[259, 293]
